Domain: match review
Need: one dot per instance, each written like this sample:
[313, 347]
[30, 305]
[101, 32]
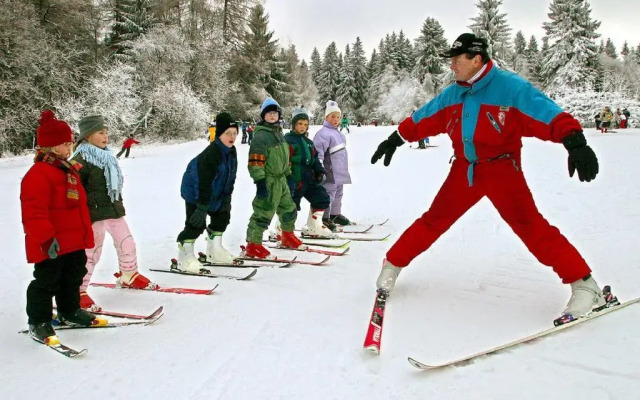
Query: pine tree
[534, 61]
[610, 49]
[234, 20]
[404, 53]
[131, 19]
[520, 62]
[429, 66]
[625, 49]
[329, 78]
[359, 73]
[346, 92]
[316, 65]
[257, 67]
[571, 59]
[492, 25]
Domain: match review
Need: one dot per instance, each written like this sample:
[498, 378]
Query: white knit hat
[332, 106]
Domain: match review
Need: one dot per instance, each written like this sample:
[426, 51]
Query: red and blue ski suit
[486, 121]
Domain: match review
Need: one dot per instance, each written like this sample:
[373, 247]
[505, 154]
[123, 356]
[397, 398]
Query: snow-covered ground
[298, 333]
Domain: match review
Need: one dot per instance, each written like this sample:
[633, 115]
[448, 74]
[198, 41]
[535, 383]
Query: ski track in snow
[297, 333]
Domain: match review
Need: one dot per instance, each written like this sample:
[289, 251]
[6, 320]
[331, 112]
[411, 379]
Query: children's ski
[293, 260]
[312, 250]
[108, 324]
[242, 263]
[55, 344]
[334, 242]
[160, 289]
[356, 229]
[207, 274]
[467, 360]
[374, 333]
[154, 314]
[354, 237]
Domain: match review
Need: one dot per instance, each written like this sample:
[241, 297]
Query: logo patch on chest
[501, 117]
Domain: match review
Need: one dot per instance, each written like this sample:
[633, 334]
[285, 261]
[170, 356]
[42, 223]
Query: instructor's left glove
[199, 216]
[387, 148]
[581, 157]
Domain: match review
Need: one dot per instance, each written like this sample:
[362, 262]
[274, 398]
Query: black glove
[581, 157]
[199, 216]
[318, 176]
[261, 189]
[51, 247]
[292, 184]
[387, 148]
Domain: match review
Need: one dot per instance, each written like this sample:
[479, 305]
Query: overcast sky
[316, 23]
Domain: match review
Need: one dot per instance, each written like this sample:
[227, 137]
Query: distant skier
[244, 132]
[126, 146]
[344, 123]
[207, 186]
[57, 227]
[498, 108]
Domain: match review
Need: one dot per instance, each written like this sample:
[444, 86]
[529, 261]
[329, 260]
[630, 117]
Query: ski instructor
[486, 112]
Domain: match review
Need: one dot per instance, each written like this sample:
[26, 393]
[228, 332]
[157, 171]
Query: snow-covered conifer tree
[610, 49]
[329, 78]
[492, 25]
[429, 67]
[571, 58]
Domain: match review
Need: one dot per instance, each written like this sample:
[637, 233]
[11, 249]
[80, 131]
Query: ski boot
[330, 225]
[216, 253]
[80, 318]
[291, 241]
[387, 278]
[256, 250]
[187, 260]
[586, 297]
[87, 303]
[315, 227]
[44, 333]
[341, 220]
[134, 280]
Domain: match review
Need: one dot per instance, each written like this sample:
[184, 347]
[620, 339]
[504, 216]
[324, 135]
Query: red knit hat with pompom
[52, 131]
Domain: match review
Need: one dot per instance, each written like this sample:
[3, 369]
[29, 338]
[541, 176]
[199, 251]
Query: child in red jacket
[57, 231]
[126, 146]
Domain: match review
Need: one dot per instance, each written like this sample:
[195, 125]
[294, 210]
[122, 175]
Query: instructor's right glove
[581, 157]
[261, 189]
[387, 148]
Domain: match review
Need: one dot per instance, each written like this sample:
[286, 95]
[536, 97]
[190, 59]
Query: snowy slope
[297, 333]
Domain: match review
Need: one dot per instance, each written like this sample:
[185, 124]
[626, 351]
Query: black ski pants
[60, 278]
[219, 222]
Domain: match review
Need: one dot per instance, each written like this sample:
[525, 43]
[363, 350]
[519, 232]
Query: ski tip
[417, 364]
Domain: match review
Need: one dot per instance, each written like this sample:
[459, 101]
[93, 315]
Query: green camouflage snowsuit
[269, 159]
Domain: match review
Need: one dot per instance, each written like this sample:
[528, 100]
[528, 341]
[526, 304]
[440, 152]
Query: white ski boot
[315, 227]
[585, 296]
[216, 253]
[187, 260]
[388, 275]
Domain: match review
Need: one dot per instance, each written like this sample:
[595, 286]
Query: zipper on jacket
[493, 122]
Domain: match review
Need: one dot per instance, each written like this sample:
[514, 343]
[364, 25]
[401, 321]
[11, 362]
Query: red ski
[374, 334]
[160, 289]
[293, 260]
[311, 250]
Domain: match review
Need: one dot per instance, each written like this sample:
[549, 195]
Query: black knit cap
[224, 121]
[467, 43]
